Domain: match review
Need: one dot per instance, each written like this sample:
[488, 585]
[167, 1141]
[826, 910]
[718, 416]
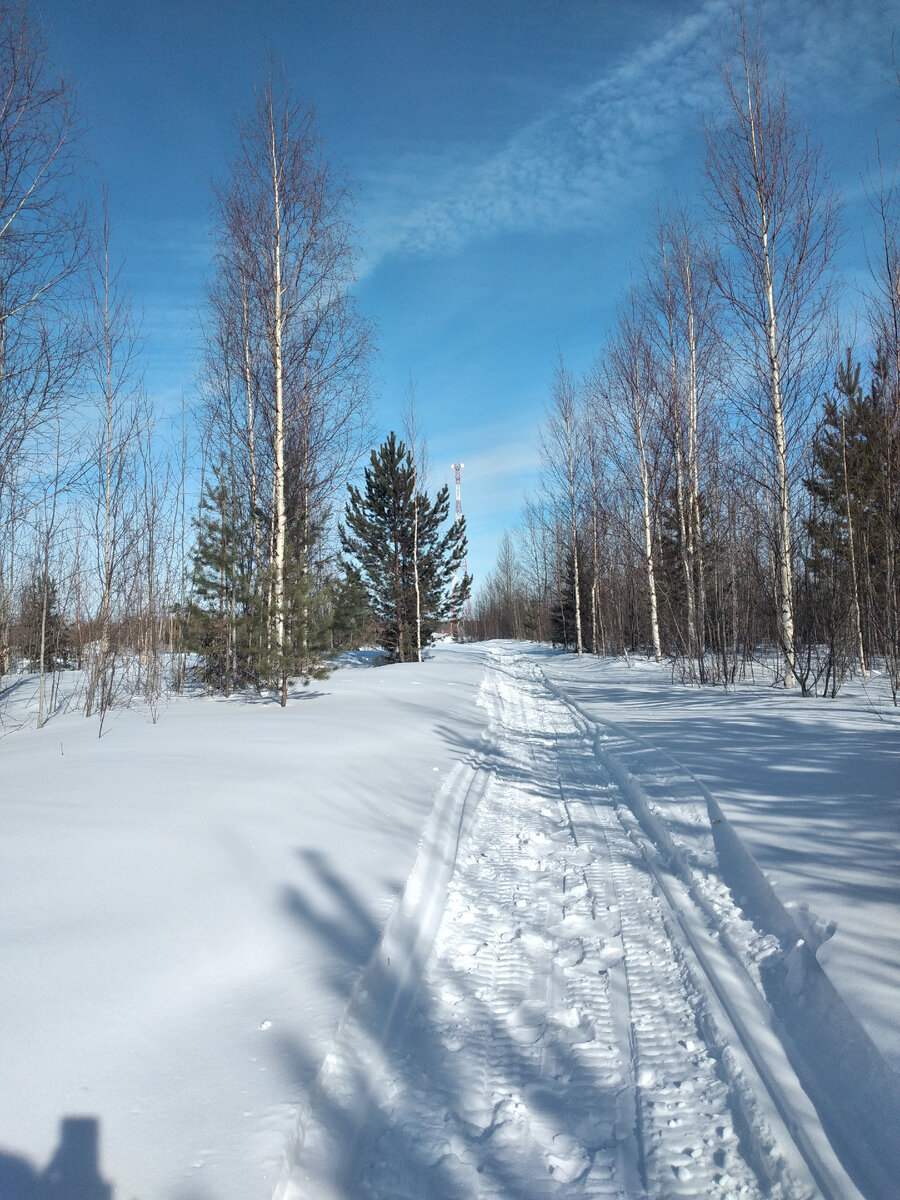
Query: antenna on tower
[457, 470]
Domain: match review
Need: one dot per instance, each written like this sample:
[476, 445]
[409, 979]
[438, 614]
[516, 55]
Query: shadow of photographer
[73, 1173]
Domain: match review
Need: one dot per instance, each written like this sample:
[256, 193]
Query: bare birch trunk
[595, 577]
[573, 512]
[695, 520]
[680, 458]
[851, 542]
[648, 552]
[768, 186]
[783, 500]
[251, 428]
[646, 513]
[278, 432]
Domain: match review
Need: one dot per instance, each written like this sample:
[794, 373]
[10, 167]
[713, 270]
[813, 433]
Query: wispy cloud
[607, 144]
[560, 171]
[494, 478]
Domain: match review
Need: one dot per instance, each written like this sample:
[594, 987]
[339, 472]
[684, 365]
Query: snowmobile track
[538, 1021]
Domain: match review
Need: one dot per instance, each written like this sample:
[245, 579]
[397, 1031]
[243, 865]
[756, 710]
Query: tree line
[147, 558]
[722, 486]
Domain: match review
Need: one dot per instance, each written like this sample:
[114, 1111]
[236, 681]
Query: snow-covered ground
[811, 786]
[481, 927]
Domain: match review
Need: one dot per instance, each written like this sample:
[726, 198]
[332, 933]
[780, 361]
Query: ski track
[555, 1039]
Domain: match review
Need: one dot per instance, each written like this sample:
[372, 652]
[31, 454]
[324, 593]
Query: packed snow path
[546, 1014]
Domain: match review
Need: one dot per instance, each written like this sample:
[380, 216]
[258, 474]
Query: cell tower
[457, 469]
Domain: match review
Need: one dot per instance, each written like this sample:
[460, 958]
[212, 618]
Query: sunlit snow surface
[187, 905]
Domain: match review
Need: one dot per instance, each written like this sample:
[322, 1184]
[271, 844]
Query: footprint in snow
[568, 1160]
[526, 1024]
[610, 956]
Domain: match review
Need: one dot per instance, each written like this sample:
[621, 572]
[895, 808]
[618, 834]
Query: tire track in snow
[550, 1044]
[527, 1101]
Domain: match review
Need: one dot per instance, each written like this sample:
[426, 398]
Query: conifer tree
[854, 529]
[383, 544]
[308, 602]
[44, 632]
[352, 620]
[225, 627]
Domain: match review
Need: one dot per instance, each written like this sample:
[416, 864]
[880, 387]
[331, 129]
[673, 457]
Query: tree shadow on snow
[818, 785]
[335, 913]
[398, 1018]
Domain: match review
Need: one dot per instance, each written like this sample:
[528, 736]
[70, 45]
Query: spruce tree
[308, 582]
[378, 544]
[307, 610]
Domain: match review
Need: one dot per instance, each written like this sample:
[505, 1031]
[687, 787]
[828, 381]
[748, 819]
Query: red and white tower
[457, 470]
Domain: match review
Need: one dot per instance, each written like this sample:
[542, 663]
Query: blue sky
[508, 158]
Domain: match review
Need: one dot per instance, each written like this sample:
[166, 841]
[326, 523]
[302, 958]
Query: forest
[720, 488]
[147, 558]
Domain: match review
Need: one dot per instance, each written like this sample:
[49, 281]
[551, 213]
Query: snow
[185, 906]
[412, 936]
[812, 787]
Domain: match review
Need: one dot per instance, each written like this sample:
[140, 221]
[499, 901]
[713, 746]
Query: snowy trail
[549, 1013]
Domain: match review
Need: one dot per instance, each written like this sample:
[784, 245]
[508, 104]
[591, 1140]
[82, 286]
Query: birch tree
[561, 454]
[883, 311]
[624, 402]
[119, 405]
[777, 215]
[681, 323]
[42, 248]
[534, 536]
[285, 326]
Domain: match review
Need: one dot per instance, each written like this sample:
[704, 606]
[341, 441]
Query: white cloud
[603, 146]
[559, 171]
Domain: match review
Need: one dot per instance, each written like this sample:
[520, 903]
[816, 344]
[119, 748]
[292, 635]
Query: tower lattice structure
[457, 472]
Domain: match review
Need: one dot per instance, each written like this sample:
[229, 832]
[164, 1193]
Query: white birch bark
[412, 434]
[278, 426]
[779, 217]
[851, 540]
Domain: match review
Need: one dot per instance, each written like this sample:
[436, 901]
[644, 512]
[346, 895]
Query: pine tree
[224, 622]
[308, 584]
[378, 543]
[352, 620]
[308, 603]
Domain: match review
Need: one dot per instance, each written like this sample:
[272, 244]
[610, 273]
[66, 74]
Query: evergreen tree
[352, 622]
[562, 612]
[42, 625]
[224, 621]
[308, 604]
[378, 543]
[854, 526]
